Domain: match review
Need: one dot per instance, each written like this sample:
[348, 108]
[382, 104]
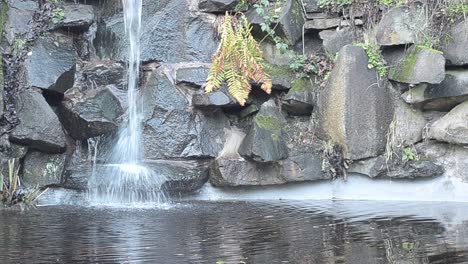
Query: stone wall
[65, 91]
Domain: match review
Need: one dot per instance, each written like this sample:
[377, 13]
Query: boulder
[396, 168]
[101, 73]
[193, 41]
[217, 6]
[451, 157]
[327, 23]
[300, 99]
[52, 63]
[171, 129]
[421, 65]
[90, 113]
[401, 26]
[334, 40]
[265, 140]
[453, 127]
[77, 16]
[290, 20]
[355, 107]
[311, 6]
[281, 76]
[181, 176]
[408, 125]
[39, 126]
[194, 76]
[440, 97]
[216, 99]
[303, 164]
[455, 50]
[19, 18]
[41, 169]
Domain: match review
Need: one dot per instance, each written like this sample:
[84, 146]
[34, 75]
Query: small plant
[392, 2]
[241, 6]
[333, 3]
[11, 192]
[18, 46]
[321, 66]
[270, 12]
[376, 60]
[237, 61]
[409, 154]
[58, 14]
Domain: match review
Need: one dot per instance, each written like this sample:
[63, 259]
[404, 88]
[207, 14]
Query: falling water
[124, 180]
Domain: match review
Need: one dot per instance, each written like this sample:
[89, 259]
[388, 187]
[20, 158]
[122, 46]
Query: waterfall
[124, 179]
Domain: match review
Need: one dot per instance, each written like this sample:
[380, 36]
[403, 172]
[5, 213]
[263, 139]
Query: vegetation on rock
[237, 61]
[376, 60]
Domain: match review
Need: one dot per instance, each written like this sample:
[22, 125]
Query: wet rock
[290, 21]
[217, 99]
[300, 99]
[453, 127]
[39, 126]
[41, 169]
[217, 6]
[334, 40]
[455, 50]
[327, 23]
[90, 113]
[18, 18]
[194, 76]
[172, 129]
[440, 97]
[193, 41]
[355, 106]
[396, 168]
[77, 16]
[52, 63]
[103, 73]
[265, 141]
[422, 65]
[451, 157]
[400, 26]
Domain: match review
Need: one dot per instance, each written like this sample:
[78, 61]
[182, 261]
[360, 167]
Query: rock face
[355, 106]
[300, 99]
[12, 152]
[303, 164]
[39, 126]
[77, 16]
[265, 141]
[217, 6]
[334, 40]
[52, 63]
[407, 126]
[102, 73]
[193, 75]
[91, 113]
[282, 76]
[172, 129]
[19, 18]
[290, 21]
[400, 26]
[455, 50]
[441, 97]
[193, 41]
[421, 65]
[42, 169]
[217, 99]
[396, 168]
[453, 127]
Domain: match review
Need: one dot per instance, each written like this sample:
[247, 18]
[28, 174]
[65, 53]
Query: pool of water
[239, 232]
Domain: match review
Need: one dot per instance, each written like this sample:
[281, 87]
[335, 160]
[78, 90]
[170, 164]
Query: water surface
[240, 232]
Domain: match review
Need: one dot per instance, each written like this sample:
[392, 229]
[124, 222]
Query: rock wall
[64, 95]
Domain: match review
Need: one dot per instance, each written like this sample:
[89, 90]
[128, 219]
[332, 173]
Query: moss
[300, 85]
[408, 65]
[277, 70]
[420, 47]
[270, 123]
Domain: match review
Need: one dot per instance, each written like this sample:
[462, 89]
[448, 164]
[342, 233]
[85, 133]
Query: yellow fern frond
[237, 60]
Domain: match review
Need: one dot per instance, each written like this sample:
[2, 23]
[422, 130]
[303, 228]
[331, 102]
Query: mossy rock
[281, 76]
[422, 64]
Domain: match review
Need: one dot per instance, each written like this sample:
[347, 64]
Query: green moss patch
[300, 85]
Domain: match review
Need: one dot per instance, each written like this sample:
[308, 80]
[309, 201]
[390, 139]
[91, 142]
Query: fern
[237, 61]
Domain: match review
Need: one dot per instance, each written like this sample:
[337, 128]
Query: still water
[239, 232]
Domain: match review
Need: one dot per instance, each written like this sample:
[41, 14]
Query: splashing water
[124, 180]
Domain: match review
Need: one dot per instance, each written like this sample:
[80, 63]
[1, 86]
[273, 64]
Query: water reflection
[237, 232]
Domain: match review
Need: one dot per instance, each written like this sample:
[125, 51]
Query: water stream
[124, 179]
